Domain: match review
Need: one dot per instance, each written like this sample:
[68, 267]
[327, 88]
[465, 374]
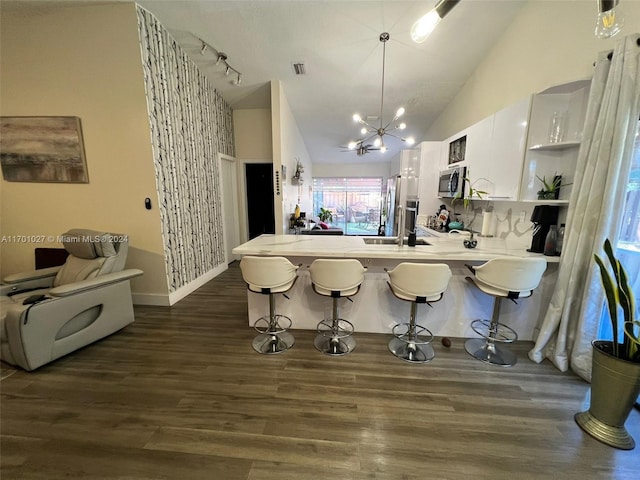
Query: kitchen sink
[392, 241]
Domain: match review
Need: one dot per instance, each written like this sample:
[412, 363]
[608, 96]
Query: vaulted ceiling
[338, 41]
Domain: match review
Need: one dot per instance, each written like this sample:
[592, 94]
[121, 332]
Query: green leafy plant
[549, 188]
[620, 296]
[325, 215]
[467, 197]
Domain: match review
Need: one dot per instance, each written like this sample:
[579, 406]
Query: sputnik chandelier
[369, 131]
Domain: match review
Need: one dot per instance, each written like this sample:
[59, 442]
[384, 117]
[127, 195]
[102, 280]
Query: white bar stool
[336, 278]
[502, 277]
[270, 276]
[416, 283]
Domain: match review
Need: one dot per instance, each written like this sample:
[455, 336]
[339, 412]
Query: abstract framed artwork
[42, 149]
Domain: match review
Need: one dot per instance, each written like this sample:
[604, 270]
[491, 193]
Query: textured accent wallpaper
[190, 123]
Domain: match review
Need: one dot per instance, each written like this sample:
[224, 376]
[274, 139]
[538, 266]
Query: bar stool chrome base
[490, 352]
[413, 345]
[335, 337]
[273, 336]
[486, 349]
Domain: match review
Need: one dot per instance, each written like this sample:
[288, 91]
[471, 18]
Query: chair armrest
[93, 283]
[32, 275]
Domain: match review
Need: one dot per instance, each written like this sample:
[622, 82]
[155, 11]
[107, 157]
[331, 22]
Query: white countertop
[443, 247]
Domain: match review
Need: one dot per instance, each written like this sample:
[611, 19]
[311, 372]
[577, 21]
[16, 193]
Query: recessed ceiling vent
[299, 68]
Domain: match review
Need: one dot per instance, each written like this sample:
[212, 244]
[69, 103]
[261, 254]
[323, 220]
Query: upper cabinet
[496, 148]
[430, 166]
[555, 132]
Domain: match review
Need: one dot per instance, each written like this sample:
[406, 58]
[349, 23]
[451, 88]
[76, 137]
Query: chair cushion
[91, 253]
[77, 269]
[336, 275]
[85, 243]
[510, 274]
[409, 281]
[274, 273]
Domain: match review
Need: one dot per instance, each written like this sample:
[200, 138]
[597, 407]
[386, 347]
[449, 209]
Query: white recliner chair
[48, 313]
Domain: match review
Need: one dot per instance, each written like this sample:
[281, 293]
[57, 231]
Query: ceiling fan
[360, 149]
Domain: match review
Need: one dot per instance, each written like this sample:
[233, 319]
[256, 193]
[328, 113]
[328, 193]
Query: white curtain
[596, 203]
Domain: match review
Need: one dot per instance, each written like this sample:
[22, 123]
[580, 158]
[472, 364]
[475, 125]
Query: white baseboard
[174, 297]
[155, 299]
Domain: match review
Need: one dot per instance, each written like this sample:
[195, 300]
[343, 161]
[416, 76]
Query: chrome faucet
[400, 238]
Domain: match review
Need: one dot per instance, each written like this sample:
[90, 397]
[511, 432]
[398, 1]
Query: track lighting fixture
[221, 58]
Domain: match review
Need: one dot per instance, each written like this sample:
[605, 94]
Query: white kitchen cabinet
[495, 151]
[479, 154]
[508, 142]
[430, 166]
[545, 158]
[410, 172]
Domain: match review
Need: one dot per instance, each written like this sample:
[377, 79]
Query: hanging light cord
[370, 131]
[221, 57]
[383, 38]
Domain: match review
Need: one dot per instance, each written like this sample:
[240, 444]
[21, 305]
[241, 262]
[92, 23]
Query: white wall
[352, 169]
[252, 134]
[548, 43]
[68, 61]
[288, 149]
[253, 144]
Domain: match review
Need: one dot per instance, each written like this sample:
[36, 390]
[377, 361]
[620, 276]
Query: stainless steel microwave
[451, 182]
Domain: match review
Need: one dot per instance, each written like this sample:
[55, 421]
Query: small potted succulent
[550, 189]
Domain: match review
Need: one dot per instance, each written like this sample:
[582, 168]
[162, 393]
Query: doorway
[230, 204]
[260, 210]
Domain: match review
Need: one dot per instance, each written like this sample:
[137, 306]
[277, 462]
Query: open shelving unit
[544, 158]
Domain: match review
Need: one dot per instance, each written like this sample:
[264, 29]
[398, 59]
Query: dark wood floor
[180, 394]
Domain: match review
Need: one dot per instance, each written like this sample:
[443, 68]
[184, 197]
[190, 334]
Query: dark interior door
[260, 199]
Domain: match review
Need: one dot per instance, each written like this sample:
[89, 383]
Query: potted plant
[615, 369]
[325, 215]
[550, 189]
[467, 201]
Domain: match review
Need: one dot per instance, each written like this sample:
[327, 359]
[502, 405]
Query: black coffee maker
[543, 217]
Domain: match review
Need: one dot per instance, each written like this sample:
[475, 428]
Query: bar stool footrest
[420, 336]
[338, 328]
[264, 326]
[497, 332]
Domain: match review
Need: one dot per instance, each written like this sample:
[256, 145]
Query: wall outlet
[523, 216]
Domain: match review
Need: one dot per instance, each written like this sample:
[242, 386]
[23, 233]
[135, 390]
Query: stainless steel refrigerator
[392, 201]
[395, 197]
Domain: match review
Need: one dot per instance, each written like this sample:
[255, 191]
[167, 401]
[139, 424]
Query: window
[628, 247]
[354, 202]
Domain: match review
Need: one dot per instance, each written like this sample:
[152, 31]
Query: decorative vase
[615, 386]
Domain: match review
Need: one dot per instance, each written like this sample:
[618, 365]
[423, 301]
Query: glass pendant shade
[423, 27]
[610, 20]
[426, 24]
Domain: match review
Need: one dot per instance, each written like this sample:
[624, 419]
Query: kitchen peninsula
[374, 309]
